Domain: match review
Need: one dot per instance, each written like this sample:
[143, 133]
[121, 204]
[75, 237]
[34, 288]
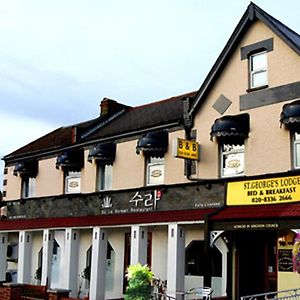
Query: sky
[60, 58]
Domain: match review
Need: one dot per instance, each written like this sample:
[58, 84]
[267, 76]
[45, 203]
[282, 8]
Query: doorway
[127, 255]
[256, 262]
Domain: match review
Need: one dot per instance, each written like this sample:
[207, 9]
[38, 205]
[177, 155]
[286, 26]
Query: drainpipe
[188, 124]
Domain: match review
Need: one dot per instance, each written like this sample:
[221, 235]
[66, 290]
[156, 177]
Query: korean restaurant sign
[264, 191]
[186, 149]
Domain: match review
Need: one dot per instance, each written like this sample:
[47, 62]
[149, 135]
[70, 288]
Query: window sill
[257, 88]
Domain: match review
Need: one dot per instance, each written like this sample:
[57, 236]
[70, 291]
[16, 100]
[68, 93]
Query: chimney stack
[110, 106]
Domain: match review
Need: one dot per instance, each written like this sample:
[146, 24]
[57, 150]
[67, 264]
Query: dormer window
[258, 70]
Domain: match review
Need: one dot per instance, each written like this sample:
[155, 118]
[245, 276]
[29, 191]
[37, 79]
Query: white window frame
[155, 170]
[28, 187]
[233, 152]
[296, 143]
[253, 72]
[104, 177]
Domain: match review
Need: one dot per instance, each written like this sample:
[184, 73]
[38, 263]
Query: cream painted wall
[84, 244]
[116, 238]
[159, 251]
[49, 180]
[37, 244]
[13, 187]
[128, 168]
[88, 175]
[174, 167]
[268, 146]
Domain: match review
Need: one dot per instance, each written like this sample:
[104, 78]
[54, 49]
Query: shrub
[139, 282]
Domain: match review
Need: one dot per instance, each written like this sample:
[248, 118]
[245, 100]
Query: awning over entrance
[257, 217]
[104, 153]
[153, 143]
[258, 212]
[231, 126]
[290, 114]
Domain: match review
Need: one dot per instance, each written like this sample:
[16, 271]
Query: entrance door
[256, 262]
[127, 255]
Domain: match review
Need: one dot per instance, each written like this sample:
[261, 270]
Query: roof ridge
[157, 102]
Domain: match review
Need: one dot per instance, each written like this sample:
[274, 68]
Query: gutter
[85, 144]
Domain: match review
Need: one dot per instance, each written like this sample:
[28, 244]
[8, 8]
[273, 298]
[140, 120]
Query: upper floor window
[28, 187]
[232, 159]
[290, 117]
[256, 54]
[258, 69]
[155, 170]
[27, 170]
[230, 132]
[72, 182]
[104, 177]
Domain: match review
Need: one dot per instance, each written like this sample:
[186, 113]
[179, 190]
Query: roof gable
[251, 15]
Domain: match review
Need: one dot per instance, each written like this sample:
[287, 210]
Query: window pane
[259, 78]
[31, 187]
[233, 160]
[259, 61]
[28, 187]
[72, 183]
[155, 171]
[297, 136]
[297, 155]
[108, 177]
[104, 177]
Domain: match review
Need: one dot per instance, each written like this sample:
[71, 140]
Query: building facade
[85, 201]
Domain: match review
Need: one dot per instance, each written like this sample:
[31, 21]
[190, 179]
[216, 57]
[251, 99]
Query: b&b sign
[186, 149]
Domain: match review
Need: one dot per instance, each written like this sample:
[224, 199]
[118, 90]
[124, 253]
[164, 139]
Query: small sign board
[186, 149]
[285, 260]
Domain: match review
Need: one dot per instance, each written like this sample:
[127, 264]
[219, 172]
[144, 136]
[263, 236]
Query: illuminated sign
[186, 149]
[264, 191]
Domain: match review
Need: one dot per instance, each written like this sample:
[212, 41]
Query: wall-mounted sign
[186, 149]
[285, 260]
[166, 198]
[264, 191]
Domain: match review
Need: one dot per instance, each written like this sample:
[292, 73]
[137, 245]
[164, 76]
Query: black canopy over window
[27, 168]
[290, 115]
[153, 143]
[231, 127]
[103, 153]
[70, 160]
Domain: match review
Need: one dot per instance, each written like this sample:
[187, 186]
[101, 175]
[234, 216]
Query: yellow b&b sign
[186, 149]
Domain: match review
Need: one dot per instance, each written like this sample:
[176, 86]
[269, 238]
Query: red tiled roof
[290, 210]
[109, 220]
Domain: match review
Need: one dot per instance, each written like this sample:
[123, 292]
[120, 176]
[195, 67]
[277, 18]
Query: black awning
[104, 153]
[231, 127]
[70, 160]
[153, 143]
[290, 114]
[27, 168]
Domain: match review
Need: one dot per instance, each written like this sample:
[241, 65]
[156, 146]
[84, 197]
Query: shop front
[259, 225]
